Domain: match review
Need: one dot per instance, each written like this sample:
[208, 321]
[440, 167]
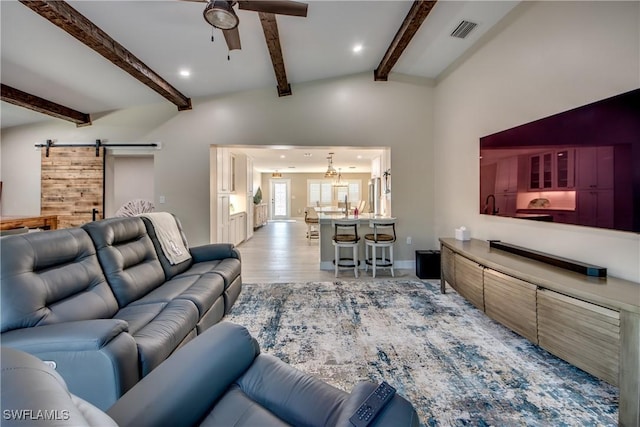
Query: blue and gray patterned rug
[457, 366]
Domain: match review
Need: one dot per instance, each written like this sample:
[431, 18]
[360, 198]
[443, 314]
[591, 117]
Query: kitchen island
[326, 233]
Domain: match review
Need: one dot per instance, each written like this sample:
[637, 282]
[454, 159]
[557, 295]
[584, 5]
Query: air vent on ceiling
[463, 29]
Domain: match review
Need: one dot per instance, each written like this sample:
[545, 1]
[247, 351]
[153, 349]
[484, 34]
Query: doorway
[280, 199]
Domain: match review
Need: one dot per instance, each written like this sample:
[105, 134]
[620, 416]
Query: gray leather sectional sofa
[218, 379]
[104, 305]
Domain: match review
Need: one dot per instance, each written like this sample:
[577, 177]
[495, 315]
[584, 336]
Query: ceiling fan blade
[233, 38]
[196, 1]
[280, 7]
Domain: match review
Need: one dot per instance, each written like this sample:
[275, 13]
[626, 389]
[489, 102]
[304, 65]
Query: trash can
[428, 264]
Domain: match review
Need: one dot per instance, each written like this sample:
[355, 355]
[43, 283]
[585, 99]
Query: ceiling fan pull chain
[212, 39]
[229, 56]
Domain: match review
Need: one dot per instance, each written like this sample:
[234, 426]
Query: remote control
[372, 405]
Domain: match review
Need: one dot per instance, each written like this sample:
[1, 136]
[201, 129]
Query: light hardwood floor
[280, 252]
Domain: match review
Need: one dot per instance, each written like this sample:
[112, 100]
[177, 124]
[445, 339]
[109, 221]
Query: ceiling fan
[220, 14]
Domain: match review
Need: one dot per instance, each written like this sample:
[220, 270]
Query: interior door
[72, 185]
[280, 199]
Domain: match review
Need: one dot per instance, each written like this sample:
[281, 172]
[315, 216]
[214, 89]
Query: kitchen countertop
[326, 218]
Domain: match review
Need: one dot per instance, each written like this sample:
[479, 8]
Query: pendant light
[331, 171]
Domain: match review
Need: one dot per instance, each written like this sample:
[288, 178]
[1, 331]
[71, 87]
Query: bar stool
[312, 221]
[383, 237]
[345, 236]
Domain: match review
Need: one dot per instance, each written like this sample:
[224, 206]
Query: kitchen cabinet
[507, 175]
[223, 219]
[237, 228]
[507, 204]
[565, 169]
[552, 170]
[595, 208]
[249, 196]
[594, 182]
[225, 171]
[594, 168]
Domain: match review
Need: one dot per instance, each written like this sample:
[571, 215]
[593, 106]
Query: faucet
[494, 211]
[346, 206]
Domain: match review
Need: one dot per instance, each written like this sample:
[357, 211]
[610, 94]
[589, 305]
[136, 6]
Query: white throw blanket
[169, 236]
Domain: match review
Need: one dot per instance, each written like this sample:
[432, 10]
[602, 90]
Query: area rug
[457, 366]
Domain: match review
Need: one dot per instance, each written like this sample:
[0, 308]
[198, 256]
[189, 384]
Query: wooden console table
[592, 323]
[46, 222]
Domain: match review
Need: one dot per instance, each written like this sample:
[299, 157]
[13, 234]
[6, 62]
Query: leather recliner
[218, 379]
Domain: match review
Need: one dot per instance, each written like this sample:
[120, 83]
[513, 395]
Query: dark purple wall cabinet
[579, 167]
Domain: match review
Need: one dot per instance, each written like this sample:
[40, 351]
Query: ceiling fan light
[220, 14]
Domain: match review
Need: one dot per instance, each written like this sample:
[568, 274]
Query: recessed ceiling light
[282, 156]
[308, 154]
[359, 156]
[357, 48]
[185, 73]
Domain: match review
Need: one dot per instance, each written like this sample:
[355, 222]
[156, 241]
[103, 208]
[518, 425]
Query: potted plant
[257, 199]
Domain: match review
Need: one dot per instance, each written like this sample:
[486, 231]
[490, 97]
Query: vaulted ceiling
[118, 54]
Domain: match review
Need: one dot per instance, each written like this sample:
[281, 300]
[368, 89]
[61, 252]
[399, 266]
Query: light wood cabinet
[584, 334]
[447, 260]
[511, 302]
[260, 215]
[594, 325]
[468, 281]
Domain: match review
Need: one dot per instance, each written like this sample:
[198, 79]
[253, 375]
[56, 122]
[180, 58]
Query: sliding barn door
[72, 185]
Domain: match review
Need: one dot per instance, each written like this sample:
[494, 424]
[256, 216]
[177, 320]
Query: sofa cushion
[52, 277]
[170, 270]
[238, 410]
[127, 256]
[228, 268]
[159, 329]
[203, 291]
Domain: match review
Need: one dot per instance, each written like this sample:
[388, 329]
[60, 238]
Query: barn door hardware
[50, 144]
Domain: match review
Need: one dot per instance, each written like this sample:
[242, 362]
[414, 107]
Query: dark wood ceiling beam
[414, 19]
[272, 37]
[73, 22]
[41, 105]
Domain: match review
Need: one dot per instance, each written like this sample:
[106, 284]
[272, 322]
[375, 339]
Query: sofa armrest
[183, 388]
[398, 412]
[30, 388]
[214, 251]
[98, 359]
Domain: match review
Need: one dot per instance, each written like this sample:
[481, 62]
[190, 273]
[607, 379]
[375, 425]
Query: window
[321, 192]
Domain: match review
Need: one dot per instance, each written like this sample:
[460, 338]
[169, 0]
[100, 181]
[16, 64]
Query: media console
[591, 322]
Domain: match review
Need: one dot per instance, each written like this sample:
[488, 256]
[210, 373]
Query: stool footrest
[349, 262]
[380, 262]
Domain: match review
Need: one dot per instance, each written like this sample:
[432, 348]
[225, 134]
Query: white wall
[548, 57]
[133, 178]
[352, 111]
